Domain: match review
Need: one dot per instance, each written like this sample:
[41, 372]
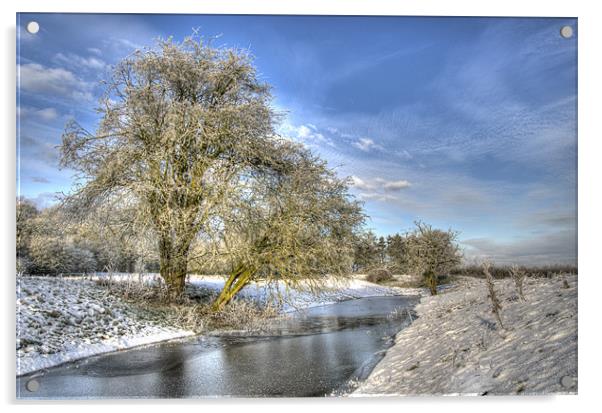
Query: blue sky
[468, 123]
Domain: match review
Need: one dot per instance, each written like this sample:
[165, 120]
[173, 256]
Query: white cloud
[47, 113]
[36, 78]
[45, 199]
[375, 196]
[305, 133]
[359, 183]
[38, 150]
[127, 44]
[378, 189]
[396, 185]
[73, 60]
[40, 180]
[366, 144]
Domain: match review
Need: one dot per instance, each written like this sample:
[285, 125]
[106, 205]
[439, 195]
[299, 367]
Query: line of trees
[268, 245]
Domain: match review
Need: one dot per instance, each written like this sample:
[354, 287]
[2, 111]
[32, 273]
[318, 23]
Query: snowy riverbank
[60, 320]
[291, 300]
[66, 319]
[455, 346]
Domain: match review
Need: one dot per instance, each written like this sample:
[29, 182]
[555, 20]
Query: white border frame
[590, 205]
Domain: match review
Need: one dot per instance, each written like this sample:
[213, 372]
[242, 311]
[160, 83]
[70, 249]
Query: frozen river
[318, 352]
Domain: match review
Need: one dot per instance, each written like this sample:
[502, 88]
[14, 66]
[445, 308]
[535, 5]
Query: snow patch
[290, 299]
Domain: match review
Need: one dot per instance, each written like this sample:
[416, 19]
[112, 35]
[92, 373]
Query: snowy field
[65, 319]
[455, 346]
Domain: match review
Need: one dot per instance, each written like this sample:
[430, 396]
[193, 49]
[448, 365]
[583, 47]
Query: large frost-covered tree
[186, 129]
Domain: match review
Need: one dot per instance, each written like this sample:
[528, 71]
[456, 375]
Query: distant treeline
[504, 271]
[50, 242]
[422, 249]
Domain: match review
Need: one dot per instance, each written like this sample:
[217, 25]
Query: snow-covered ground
[65, 319]
[455, 346]
[60, 320]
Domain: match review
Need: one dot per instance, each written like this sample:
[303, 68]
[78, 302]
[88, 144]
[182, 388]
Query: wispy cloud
[37, 78]
[94, 50]
[39, 150]
[45, 199]
[396, 185]
[379, 183]
[359, 183]
[127, 43]
[376, 196]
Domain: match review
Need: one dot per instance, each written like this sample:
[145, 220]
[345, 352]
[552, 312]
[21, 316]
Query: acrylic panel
[295, 206]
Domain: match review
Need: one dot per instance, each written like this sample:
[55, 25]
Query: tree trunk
[431, 282]
[236, 281]
[173, 268]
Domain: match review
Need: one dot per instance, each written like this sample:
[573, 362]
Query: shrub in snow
[378, 275]
[565, 282]
[431, 253]
[495, 302]
[518, 275]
